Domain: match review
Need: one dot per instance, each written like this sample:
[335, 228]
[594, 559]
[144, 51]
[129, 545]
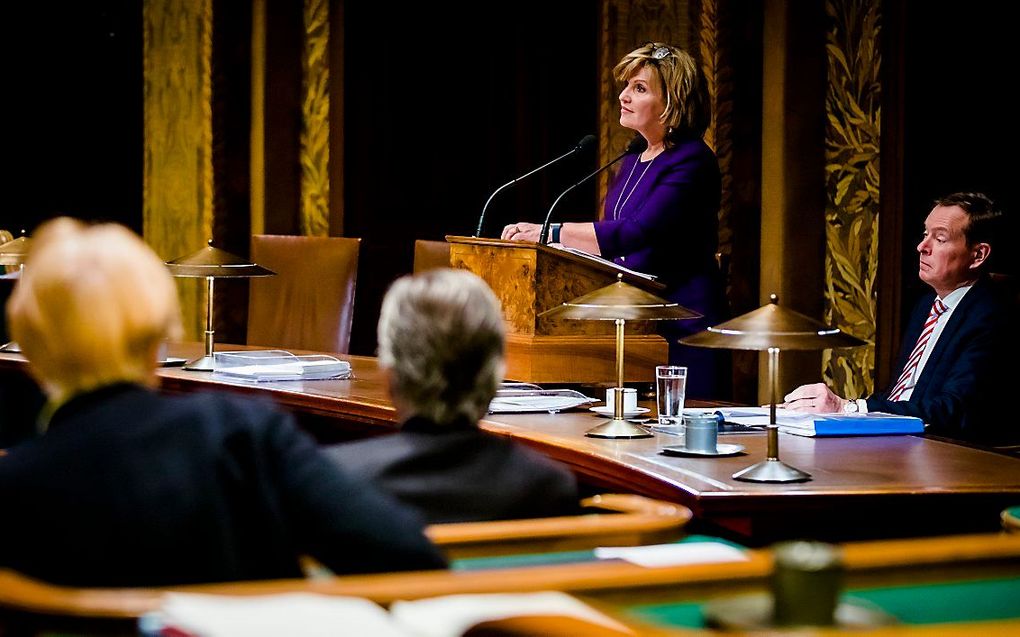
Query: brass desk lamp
[620, 302]
[772, 328]
[212, 263]
[13, 252]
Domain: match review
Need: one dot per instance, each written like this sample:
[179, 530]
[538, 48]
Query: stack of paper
[276, 365]
[508, 401]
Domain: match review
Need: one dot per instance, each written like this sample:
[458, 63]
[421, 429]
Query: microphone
[636, 145]
[586, 142]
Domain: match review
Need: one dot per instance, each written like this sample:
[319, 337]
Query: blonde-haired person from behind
[92, 308]
[128, 487]
[441, 342]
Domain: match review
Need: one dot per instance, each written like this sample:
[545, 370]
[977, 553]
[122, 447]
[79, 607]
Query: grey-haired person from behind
[441, 344]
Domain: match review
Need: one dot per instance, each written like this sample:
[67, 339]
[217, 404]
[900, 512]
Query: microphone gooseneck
[636, 145]
[588, 141]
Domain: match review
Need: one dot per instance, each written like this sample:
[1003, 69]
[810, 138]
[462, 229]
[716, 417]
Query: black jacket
[132, 488]
[458, 473]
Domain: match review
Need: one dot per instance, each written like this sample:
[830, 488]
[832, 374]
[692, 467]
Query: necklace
[621, 201]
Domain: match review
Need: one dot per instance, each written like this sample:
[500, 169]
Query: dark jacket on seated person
[459, 473]
[964, 390]
[132, 488]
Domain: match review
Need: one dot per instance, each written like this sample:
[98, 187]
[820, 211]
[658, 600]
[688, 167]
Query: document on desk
[268, 369]
[593, 257]
[511, 401]
[807, 424]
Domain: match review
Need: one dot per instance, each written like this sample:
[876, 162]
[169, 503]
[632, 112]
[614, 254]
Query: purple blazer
[661, 217]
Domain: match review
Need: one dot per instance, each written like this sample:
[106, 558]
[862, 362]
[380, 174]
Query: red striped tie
[906, 380]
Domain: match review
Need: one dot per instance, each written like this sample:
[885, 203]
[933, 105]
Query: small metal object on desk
[806, 588]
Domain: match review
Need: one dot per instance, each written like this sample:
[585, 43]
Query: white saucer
[720, 450]
[608, 411]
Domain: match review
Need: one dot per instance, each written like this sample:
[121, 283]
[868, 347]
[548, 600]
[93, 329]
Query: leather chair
[309, 304]
[429, 255]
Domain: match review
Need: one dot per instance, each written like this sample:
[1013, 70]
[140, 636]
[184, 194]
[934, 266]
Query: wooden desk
[864, 487]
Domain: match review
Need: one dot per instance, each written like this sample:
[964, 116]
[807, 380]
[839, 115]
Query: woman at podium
[661, 211]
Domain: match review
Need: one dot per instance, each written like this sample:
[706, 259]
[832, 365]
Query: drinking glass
[670, 387]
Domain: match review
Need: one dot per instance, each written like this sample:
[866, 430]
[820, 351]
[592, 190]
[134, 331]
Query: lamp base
[771, 470]
[618, 429]
[201, 364]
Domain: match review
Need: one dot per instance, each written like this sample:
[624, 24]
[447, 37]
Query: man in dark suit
[128, 487]
[958, 349]
[441, 340]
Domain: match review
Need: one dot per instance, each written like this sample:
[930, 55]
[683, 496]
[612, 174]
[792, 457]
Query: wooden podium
[529, 279]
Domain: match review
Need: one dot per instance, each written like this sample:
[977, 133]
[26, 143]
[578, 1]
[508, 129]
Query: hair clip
[660, 53]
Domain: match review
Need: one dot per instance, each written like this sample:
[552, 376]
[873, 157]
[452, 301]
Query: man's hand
[815, 398]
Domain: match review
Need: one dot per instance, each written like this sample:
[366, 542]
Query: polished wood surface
[862, 487]
[626, 520]
[606, 584]
[529, 279]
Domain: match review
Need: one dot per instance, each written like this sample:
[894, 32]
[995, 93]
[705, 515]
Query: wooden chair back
[612, 520]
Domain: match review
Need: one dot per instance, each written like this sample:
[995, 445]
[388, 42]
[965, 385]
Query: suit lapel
[948, 337]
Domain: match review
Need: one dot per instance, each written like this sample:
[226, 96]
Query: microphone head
[588, 141]
[637, 145]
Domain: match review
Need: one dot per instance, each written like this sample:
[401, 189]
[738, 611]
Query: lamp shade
[620, 301]
[769, 326]
[213, 262]
[14, 252]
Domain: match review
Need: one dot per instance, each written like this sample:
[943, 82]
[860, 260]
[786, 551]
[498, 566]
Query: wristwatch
[851, 407]
[554, 232]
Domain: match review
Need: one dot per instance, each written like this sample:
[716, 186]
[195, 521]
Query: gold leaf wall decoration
[719, 136]
[315, 120]
[852, 107]
[177, 190]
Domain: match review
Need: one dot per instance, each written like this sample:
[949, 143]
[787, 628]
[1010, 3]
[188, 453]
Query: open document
[311, 615]
[597, 259]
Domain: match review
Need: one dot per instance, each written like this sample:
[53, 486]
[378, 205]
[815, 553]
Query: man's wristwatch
[851, 407]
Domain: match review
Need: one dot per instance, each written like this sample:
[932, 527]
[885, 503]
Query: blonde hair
[681, 82]
[91, 307]
[441, 335]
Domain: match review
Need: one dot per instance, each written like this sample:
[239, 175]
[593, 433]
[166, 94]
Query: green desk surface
[552, 559]
[938, 603]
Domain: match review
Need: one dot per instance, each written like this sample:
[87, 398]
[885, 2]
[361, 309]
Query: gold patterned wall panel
[177, 206]
[852, 135]
[315, 120]
[715, 62]
[626, 25]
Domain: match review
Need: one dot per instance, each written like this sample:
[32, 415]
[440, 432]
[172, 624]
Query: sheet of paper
[452, 615]
[655, 555]
[760, 416]
[295, 615]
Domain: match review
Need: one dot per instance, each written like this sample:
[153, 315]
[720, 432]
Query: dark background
[437, 117]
